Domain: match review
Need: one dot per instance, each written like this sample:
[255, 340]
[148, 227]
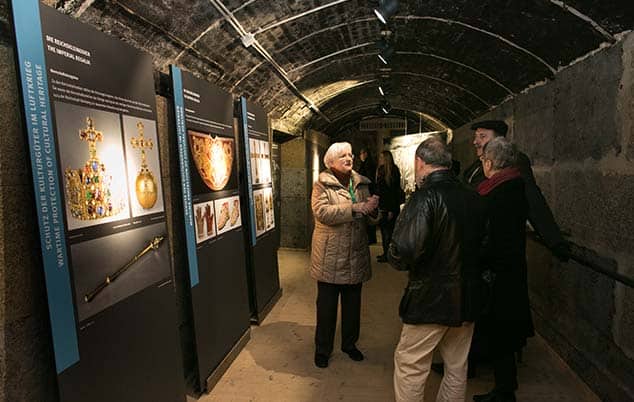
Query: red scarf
[500, 177]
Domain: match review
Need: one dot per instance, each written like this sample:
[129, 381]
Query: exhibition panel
[264, 284]
[90, 118]
[213, 221]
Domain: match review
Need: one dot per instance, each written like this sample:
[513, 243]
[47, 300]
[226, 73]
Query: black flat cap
[498, 126]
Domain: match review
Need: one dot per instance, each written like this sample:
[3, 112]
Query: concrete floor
[277, 363]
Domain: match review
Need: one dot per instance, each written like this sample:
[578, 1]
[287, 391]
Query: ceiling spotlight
[385, 50]
[385, 107]
[381, 91]
[386, 9]
[385, 55]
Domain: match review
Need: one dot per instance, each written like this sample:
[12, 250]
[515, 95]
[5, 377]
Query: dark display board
[91, 124]
[264, 283]
[213, 220]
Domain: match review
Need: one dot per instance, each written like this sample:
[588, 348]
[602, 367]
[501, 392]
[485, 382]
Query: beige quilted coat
[340, 252]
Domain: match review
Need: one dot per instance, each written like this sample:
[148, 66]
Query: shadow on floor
[284, 347]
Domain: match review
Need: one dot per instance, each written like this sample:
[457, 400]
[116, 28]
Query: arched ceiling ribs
[435, 120]
[348, 89]
[174, 38]
[235, 84]
[484, 31]
[191, 45]
[566, 7]
[447, 111]
[242, 33]
[375, 106]
[297, 16]
[367, 82]
[475, 70]
[487, 104]
[484, 102]
[331, 55]
[330, 28]
[243, 5]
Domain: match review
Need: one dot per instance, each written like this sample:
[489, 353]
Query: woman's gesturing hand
[366, 207]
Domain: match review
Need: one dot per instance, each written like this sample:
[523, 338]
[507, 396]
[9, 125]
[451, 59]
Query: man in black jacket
[539, 214]
[437, 239]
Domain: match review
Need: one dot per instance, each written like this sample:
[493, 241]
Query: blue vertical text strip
[40, 132]
[183, 157]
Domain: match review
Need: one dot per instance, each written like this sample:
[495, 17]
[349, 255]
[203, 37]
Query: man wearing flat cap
[539, 214]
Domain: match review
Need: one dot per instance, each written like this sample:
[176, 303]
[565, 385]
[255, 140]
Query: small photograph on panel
[144, 175]
[204, 215]
[266, 162]
[260, 224]
[255, 167]
[268, 209]
[110, 269]
[214, 158]
[92, 162]
[254, 161]
[228, 214]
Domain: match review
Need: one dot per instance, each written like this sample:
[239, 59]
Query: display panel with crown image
[91, 157]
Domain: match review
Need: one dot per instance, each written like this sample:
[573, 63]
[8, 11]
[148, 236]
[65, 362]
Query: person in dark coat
[437, 239]
[367, 168]
[507, 323]
[539, 214]
[388, 188]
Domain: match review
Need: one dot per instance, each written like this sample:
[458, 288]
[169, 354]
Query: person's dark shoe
[505, 397]
[488, 397]
[321, 361]
[438, 368]
[381, 258]
[354, 353]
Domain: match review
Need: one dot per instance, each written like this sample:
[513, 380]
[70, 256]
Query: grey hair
[433, 151]
[334, 151]
[500, 152]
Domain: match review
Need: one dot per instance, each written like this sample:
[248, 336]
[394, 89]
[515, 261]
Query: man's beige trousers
[413, 356]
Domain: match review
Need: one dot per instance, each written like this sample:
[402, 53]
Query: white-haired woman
[508, 322]
[340, 259]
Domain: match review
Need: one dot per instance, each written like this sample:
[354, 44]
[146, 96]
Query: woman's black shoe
[354, 353]
[321, 361]
[488, 397]
[381, 258]
[495, 396]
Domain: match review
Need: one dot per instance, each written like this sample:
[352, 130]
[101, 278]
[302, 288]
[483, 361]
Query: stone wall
[578, 132]
[301, 163]
[294, 196]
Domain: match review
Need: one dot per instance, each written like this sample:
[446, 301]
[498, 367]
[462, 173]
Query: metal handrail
[591, 259]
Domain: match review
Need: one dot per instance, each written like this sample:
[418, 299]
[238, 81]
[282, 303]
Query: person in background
[340, 257]
[388, 188]
[437, 239]
[507, 323]
[539, 214]
[367, 168]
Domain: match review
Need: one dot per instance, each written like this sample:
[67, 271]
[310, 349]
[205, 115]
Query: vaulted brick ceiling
[313, 63]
